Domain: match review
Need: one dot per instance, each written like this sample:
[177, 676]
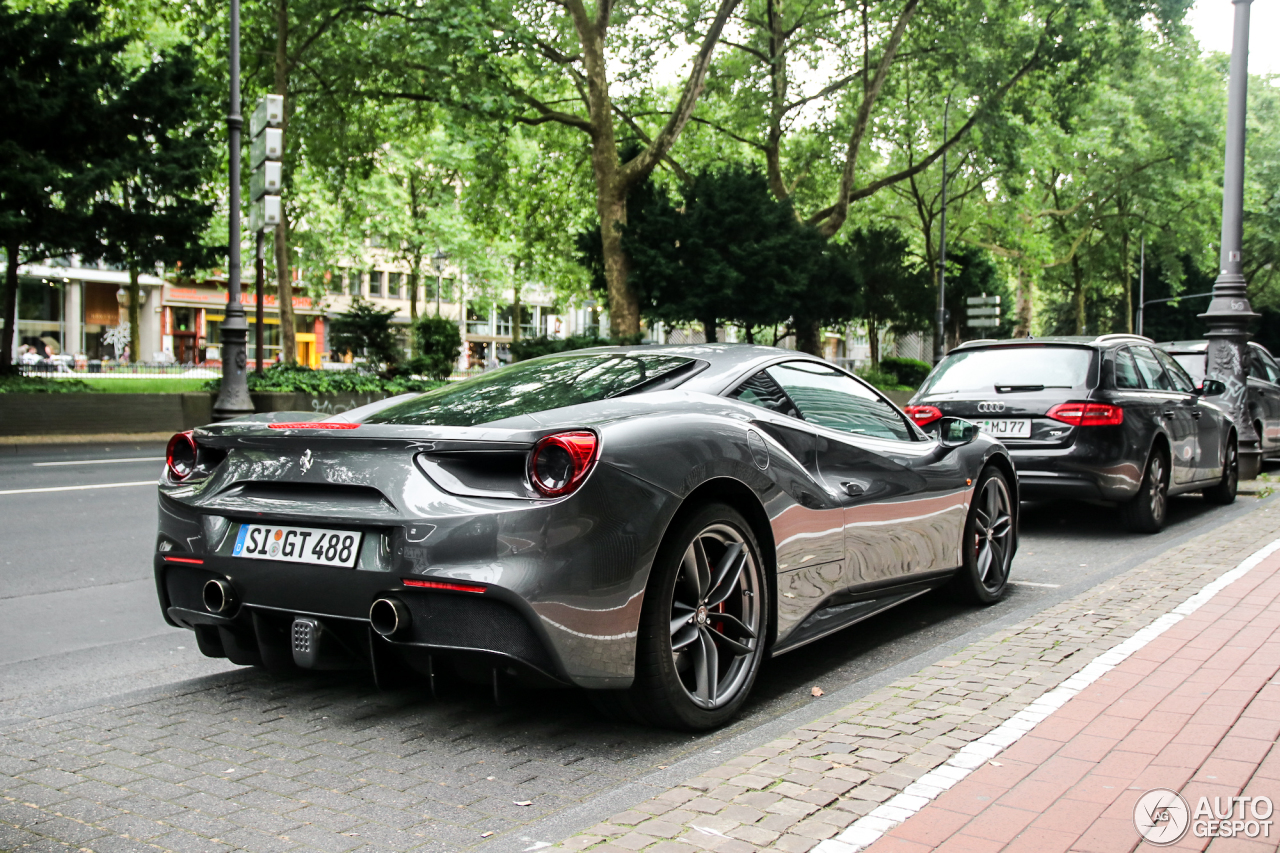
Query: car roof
[1088, 341]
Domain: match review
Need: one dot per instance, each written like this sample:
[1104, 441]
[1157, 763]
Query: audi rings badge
[990, 408]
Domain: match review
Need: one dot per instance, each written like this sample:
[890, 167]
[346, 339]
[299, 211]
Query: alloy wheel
[716, 618]
[1158, 496]
[993, 532]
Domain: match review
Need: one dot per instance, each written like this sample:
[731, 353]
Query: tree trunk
[873, 341]
[1022, 304]
[624, 307]
[516, 317]
[135, 335]
[709, 331]
[10, 309]
[284, 277]
[809, 337]
[1078, 275]
[416, 264]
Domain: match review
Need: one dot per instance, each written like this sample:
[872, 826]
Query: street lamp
[1229, 313]
[233, 397]
[940, 341]
[438, 261]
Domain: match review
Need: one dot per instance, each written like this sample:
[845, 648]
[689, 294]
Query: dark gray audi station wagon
[1112, 418]
[650, 523]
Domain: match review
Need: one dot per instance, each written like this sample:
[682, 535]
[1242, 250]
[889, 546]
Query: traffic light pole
[1229, 313]
[233, 397]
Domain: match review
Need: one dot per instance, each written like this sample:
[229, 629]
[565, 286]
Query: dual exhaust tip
[388, 616]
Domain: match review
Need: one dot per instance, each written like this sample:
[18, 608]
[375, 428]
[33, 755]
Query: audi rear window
[537, 386]
[1009, 370]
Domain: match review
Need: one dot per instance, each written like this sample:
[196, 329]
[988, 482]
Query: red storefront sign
[208, 296]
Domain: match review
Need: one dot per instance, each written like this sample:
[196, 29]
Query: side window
[830, 398]
[1150, 371]
[762, 391]
[1273, 370]
[1181, 381]
[1257, 370]
[1126, 371]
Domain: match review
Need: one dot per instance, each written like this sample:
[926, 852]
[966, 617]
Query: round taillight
[180, 456]
[561, 462]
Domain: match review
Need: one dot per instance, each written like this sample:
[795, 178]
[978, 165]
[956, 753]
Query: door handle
[1169, 413]
[1196, 413]
[853, 490]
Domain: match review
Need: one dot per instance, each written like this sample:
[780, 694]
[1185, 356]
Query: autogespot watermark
[1163, 817]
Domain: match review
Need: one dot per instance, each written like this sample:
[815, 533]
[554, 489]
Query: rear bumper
[561, 583]
[1093, 468]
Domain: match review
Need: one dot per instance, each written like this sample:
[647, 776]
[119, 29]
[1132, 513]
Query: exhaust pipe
[219, 596]
[389, 616]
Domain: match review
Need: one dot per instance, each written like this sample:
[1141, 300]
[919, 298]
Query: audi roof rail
[1122, 336]
[976, 341]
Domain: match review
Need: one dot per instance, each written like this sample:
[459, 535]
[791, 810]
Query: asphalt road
[79, 622]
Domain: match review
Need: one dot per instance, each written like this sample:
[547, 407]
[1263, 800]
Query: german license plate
[298, 545]
[1006, 427]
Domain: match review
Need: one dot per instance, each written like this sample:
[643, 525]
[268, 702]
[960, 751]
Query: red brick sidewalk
[1197, 710]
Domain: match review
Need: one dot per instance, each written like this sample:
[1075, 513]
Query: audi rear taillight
[180, 456]
[1087, 414]
[923, 414]
[559, 463]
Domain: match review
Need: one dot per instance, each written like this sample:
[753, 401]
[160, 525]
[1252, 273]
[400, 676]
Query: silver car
[649, 523]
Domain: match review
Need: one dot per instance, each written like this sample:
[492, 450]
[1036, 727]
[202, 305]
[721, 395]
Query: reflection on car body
[648, 523]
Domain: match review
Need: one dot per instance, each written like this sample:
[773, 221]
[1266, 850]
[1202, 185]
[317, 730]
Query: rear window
[1010, 369]
[533, 386]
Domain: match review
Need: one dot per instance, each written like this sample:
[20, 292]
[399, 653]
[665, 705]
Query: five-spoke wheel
[989, 540]
[716, 623]
[703, 624]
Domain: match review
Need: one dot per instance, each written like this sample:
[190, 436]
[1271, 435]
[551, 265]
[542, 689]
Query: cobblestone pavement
[798, 790]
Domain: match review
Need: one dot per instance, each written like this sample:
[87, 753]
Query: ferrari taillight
[923, 414]
[180, 456]
[1087, 414]
[561, 462]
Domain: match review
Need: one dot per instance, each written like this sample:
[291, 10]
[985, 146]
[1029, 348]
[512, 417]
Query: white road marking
[1033, 583]
[867, 830]
[97, 461]
[77, 488]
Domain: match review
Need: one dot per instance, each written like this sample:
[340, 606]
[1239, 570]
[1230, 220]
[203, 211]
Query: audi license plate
[1006, 427]
[298, 545]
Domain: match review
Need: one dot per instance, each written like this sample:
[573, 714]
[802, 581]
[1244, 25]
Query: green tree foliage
[439, 343]
[156, 207]
[365, 332]
[897, 292]
[56, 142]
[729, 252]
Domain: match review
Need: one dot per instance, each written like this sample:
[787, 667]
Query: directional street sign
[993, 311]
[983, 322]
[268, 113]
[983, 300]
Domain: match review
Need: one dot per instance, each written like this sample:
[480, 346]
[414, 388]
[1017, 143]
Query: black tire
[1147, 511]
[694, 673]
[1225, 491]
[990, 534]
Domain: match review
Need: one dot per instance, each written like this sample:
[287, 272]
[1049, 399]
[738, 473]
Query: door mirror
[956, 432]
[1212, 388]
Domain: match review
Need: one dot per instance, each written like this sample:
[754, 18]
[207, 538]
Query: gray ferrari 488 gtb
[648, 523]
